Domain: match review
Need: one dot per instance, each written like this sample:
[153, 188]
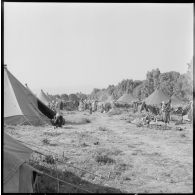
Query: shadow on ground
[50, 185]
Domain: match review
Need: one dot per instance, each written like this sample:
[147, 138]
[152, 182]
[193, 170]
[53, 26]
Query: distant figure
[102, 108]
[90, 108]
[166, 109]
[58, 120]
[61, 105]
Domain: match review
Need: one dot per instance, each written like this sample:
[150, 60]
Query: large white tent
[20, 105]
[17, 173]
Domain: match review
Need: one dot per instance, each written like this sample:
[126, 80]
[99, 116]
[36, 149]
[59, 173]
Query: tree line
[171, 83]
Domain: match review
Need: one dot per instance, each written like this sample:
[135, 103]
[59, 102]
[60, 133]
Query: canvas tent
[157, 97]
[20, 105]
[44, 98]
[127, 98]
[18, 175]
[43, 108]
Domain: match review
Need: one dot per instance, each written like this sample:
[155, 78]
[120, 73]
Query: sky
[75, 47]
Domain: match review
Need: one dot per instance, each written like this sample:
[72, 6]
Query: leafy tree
[137, 91]
[168, 81]
[81, 95]
[64, 97]
[73, 97]
[110, 89]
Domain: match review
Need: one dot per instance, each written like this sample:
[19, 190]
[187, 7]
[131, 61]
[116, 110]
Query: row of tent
[153, 99]
[21, 106]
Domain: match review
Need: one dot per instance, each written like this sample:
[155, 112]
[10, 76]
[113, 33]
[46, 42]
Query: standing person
[90, 108]
[169, 110]
[166, 109]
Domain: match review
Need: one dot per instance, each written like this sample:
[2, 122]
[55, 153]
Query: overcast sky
[73, 47]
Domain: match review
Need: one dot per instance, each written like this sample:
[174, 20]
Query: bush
[87, 120]
[49, 159]
[46, 141]
[104, 159]
[103, 129]
[140, 124]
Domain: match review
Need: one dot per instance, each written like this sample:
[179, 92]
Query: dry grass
[132, 159]
[78, 121]
[46, 184]
[114, 112]
[52, 134]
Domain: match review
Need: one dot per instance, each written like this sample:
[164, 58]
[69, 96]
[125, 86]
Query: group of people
[164, 111]
[94, 105]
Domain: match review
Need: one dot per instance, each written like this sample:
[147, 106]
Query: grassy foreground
[131, 158]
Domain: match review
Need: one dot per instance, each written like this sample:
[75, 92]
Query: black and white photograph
[98, 97]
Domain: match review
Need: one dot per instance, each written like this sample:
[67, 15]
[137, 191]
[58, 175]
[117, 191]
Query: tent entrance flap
[45, 110]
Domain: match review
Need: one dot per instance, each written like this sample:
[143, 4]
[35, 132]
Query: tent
[42, 107]
[20, 105]
[18, 175]
[127, 98]
[44, 98]
[157, 97]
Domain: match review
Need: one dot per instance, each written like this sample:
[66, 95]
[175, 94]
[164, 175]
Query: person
[90, 108]
[102, 108]
[61, 105]
[58, 120]
[166, 109]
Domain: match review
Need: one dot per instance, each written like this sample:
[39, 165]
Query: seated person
[58, 120]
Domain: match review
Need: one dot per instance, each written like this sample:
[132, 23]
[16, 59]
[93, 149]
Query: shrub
[46, 141]
[84, 144]
[104, 159]
[87, 120]
[139, 124]
[49, 159]
[103, 129]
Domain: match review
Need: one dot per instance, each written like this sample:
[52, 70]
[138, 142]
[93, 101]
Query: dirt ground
[132, 159]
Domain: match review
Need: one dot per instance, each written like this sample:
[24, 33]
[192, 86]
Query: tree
[110, 89]
[73, 97]
[168, 81]
[137, 91]
[64, 97]
[183, 87]
[81, 95]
